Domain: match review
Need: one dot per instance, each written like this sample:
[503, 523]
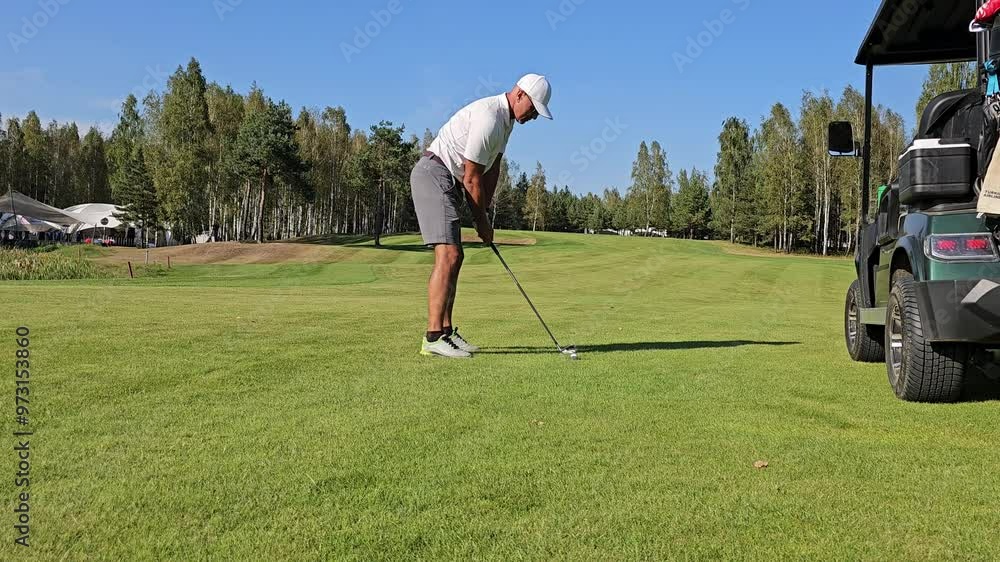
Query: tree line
[202, 158]
[777, 185]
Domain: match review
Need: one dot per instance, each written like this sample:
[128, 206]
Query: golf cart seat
[953, 115]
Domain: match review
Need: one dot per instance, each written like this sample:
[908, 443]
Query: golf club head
[570, 352]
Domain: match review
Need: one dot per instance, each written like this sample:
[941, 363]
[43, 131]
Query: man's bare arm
[490, 180]
[476, 184]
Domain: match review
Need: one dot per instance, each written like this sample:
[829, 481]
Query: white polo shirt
[478, 132]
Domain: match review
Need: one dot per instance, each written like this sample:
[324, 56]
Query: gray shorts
[436, 199]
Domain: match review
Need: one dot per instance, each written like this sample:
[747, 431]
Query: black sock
[434, 336]
[447, 330]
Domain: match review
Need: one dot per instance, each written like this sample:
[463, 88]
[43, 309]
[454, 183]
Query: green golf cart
[926, 300]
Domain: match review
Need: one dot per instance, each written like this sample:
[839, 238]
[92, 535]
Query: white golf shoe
[444, 347]
[461, 343]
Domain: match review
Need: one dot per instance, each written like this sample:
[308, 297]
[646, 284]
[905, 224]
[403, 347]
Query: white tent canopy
[95, 215]
[25, 224]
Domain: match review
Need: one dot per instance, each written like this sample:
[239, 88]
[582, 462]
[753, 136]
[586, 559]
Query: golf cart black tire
[929, 372]
[868, 345]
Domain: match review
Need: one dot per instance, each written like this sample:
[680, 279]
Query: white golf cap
[539, 90]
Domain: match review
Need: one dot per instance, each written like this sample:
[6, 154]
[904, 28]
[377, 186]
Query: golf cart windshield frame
[915, 32]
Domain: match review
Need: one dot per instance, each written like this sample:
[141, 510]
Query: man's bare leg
[441, 288]
[453, 286]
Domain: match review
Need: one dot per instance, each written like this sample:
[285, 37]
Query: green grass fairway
[237, 412]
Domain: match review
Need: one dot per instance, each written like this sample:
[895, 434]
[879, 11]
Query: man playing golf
[463, 162]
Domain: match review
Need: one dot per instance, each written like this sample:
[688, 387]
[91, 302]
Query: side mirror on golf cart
[840, 139]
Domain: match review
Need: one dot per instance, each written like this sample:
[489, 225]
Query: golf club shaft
[511, 273]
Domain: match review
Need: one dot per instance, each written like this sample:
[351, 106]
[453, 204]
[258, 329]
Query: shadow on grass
[639, 346]
[335, 239]
[403, 248]
[368, 242]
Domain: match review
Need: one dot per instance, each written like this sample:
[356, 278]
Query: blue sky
[613, 65]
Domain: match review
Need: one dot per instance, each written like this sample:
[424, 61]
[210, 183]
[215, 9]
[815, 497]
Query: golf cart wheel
[864, 342]
[919, 371]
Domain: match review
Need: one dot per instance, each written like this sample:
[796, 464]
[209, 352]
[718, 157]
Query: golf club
[569, 351]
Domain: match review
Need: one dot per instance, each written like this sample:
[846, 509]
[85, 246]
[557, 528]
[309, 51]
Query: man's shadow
[366, 241]
[638, 346]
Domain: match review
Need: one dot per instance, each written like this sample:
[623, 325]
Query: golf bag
[991, 116]
[989, 174]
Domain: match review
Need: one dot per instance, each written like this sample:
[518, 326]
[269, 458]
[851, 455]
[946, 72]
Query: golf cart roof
[919, 32]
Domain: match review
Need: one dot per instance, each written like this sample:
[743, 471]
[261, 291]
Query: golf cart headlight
[961, 247]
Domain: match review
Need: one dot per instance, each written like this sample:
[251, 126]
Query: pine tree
[265, 153]
[580, 209]
[616, 208]
[597, 217]
[182, 180]
[386, 165]
[137, 195]
[559, 203]
[691, 211]
[126, 138]
[519, 198]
